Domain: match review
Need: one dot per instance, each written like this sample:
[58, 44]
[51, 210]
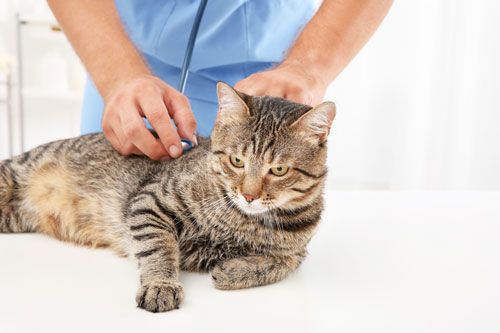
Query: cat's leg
[155, 246]
[252, 271]
[10, 216]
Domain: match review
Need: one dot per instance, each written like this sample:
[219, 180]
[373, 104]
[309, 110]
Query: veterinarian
[133, 51]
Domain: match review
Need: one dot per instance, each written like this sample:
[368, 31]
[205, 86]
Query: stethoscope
[186, 144]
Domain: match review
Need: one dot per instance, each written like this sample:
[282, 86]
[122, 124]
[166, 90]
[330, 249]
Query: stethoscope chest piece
[186, 145]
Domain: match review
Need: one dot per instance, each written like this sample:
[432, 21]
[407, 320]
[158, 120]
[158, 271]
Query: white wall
[417, 109]
[52, 74]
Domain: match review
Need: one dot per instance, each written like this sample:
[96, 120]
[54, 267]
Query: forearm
[335, 35]
[97, 35]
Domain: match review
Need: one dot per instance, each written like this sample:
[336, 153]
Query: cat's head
[270, 153]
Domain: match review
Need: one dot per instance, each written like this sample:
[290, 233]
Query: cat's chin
[251, 209]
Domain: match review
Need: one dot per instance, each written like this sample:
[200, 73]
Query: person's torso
[231, 32]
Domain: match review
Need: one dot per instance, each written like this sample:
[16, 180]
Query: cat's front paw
[160, 296]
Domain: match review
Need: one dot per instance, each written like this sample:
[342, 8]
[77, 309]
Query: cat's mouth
[253, 208]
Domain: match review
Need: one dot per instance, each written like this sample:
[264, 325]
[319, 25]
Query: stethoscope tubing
[190, 46]
[186, 144]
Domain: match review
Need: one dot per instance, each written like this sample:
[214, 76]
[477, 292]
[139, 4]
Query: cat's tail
[9, 217]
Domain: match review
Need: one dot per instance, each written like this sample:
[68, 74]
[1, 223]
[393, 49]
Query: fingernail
[174, 151]
[194, 140]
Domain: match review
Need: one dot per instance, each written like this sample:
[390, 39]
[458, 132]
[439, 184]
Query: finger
[127, 147]
[113, 140]
[112, 125]
[275, 91]
[316, 99]
[251, 86]
[109, 133]
[180, 111]
[136, 133]
[154, 109]
[240, 85]
[299, 96]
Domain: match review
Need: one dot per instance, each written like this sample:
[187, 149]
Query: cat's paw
[232, 274]
[160, 296]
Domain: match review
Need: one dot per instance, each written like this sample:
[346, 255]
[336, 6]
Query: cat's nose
[248, 197]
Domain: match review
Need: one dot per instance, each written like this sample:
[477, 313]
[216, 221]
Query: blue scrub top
[236, 38]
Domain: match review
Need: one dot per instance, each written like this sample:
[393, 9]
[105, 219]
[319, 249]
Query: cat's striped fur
[185, 213]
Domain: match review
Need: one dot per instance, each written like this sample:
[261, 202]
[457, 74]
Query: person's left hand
[289, 81]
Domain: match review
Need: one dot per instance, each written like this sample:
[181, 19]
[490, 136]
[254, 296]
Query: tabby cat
[242, 205]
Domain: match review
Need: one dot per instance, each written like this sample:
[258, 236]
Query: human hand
[149, 97]
[289, 80]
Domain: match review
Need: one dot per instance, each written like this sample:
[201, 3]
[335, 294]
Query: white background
[417, 109]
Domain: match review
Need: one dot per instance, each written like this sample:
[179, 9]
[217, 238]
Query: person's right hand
[148, 97]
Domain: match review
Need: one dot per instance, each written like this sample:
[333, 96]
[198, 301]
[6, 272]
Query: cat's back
[92, 158]
[89, 154]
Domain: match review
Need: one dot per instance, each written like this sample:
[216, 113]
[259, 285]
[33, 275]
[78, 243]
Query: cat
[242, 205]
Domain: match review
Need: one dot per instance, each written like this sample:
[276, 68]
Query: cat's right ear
[315, 124]
[232, 108]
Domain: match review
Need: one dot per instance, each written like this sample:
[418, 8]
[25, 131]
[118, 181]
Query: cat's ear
[315, 124]
[232, 108]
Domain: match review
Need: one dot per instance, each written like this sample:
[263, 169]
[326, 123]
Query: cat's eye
[237, 162]
[279, 170]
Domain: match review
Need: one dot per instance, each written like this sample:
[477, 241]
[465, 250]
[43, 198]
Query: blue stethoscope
[186, 144]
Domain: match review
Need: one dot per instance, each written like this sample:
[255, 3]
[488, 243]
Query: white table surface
[380, 262]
